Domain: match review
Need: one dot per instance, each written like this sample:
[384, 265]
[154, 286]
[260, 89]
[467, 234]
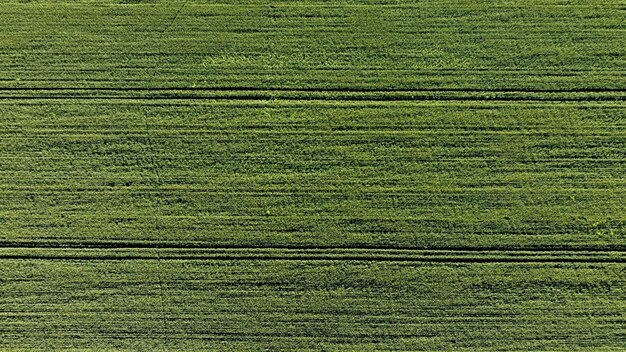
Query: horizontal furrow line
[148, 245]
[442, 259]
[313, 255]
[183, 97]
[320, 89]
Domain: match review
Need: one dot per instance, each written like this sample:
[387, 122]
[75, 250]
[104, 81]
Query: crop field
[312, 175]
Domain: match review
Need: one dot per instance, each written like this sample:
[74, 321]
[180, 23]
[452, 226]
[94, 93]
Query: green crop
[312, 175]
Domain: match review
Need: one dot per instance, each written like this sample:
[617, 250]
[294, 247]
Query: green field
[312, 175]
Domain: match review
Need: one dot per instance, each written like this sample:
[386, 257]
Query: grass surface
[312, 175]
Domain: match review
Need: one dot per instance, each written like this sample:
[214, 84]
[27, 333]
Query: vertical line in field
[155, 170]
[157, 220]
[180, 9]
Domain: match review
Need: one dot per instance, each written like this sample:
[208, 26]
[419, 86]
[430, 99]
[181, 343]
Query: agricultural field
[312, 175]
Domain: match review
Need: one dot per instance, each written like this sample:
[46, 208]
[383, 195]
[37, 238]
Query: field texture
[312, 175]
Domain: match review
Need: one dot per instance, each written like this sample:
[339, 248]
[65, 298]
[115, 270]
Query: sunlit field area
[312, 175]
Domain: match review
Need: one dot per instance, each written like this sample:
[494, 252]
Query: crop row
[282, 305]
[315, 44]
